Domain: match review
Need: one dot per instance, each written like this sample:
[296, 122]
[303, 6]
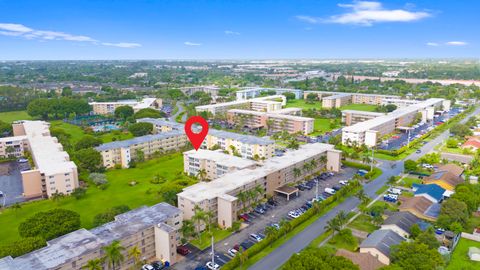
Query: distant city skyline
[199, 30]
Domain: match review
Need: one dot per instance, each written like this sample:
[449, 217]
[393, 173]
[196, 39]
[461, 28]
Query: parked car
[246, 245]
[418, 151]
[158, 265]
[396, 191]
[259, 210]
[337, 188]
[256, 237]
[147, 267]
[343, 182]
[232, 252]
[275, 225]
[22, 160]
[244, 217]
[212, 266]
[293, 214]
[183, 250]
[330, 191]
[301, 187]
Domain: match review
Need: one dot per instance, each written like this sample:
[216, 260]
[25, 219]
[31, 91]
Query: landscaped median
[248, 257]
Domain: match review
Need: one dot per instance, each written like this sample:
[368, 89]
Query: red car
[244, 217]
[183, 250]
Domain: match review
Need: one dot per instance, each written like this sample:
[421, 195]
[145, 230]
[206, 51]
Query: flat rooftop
[363, 112]
[221, 158]
[47, 153]
[63, 249]
[231, 181]
[273, 114]
[139, 140]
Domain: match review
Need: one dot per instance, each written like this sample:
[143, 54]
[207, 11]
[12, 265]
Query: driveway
[11, 182]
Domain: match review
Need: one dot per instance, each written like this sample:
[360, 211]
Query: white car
[293, 214]
[395, 191]
[256, 237]
[147, 267]
[211, 266]
[330, 191]
[232, 252]
[343, 182]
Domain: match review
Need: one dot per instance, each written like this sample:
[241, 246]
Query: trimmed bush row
[313, 212]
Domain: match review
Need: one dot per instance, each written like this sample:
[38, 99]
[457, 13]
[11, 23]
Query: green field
[300, 103]
[459, 259]
[359, 107]
[77, 132]
[96, 201]
[9, 117]
[363, 223]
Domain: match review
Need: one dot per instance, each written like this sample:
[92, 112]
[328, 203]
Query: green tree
[67, 91]
[461, 130]
[202, 174]
[289, 95]
[428, 238]
[313, 258]
[415, 231]
[123, 112]
[410, 165]
[22, 246]
[149, 113]
[140, 129]
[50, 224]
[452, 211]
[109, 214]
[113, 254]
[89, 159]
[87, 141]
[187, 229]
[414, 255]
[135, 253]
[94, 264]
[79, 193]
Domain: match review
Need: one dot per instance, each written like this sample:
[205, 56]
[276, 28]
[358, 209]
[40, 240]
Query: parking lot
[399, 140]
[258, 222]
[11, 182]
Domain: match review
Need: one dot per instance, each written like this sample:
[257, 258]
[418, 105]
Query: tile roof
[453, 168]
[444, 176]
[365, 261]
[403, 220]
[433, 190]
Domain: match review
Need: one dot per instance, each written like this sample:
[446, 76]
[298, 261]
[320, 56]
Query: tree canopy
[415, 255]
[57, 107]
[149, 113]
[318, 258]
[50, 224]
[123, 112]
[140, 129]
[87, 141]
[89, 159]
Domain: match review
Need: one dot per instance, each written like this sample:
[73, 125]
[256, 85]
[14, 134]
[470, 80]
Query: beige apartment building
[212, 90]
[336, 100]
[246, 146]
[123, 152]
[351, 117]
[372, 99]
[370, 131]
[220, 195]
[108, 108]
[261, 104]
[52, 171]
[275, 121]
[154, 230]
[214, 163]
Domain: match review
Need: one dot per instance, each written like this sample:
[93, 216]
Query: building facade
[108, 108]
[153, 230]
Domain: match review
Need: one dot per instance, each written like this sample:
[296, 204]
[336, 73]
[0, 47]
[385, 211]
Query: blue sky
[241, 29]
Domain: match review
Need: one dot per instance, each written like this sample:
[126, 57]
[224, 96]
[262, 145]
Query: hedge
[312, 212]
[372, 174]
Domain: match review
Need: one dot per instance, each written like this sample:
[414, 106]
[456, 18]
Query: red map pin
[196, 138]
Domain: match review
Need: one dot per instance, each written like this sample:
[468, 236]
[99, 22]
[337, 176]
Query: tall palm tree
[197, 218]
[202, 174]
[135, 253]
[113, 254]
[208, 216]
[187, 229]
[286, 225]
[323, 159]
[270, 232]
[306, 167]
[313, 163]
[332, 225]
[242, 196]
[342, 219]
[259, 190]
[251, 195]
[94, 264]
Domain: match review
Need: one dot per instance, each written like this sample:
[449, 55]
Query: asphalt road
[180, 110]
[280, 255]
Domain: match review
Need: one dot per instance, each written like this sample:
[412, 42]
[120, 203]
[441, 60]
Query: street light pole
[371, 161]
[213, 254]
[316, 189]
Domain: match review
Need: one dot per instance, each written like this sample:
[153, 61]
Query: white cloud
[367, 13]
[456, 43]
[122, 45]
[433, 44]
[188, 43]
[229, 32]
[19, 30]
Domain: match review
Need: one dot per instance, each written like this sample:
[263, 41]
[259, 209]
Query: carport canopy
[287, 190]
[401, 128]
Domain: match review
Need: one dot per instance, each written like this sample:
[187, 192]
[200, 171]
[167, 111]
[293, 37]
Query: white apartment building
[154, 230]
[53, 171]
[106, 108]
[351, 117]
[261, 104]
[214, 163]
[219, 195]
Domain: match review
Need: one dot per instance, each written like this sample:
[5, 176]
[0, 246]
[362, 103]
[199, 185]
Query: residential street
[278, 257]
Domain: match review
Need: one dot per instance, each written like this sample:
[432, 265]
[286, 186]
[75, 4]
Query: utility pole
[316, 189]
[371, 161]
[213, 254]
[408, 139]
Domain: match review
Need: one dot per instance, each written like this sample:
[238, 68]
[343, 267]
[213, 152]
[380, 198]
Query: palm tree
[197, 218]
[135, 253]
[208, 219]
[362, 196]
[342, 219]
[251, 195]
[286, 225]
[259, 190]
[113, 254]
[202, 174]
[242, 255]
[323, 159]
[313, 163]
[242, 196]
[270, 232]
[94, 264]
[297, 172]
[187, 229]
[306, 167]
[332, 225]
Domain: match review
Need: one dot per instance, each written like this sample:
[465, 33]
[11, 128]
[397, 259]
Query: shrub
[50, 224]
[22, 246]
[109, 215]
[98, 178]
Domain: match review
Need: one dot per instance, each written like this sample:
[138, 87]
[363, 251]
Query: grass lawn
[408, 181]
[205, 239]
[363, 223]
[9, 117]
[459, 259]
[77, 132]
[359, 107]
[321, 125]
[300, 103]
[389, 206]
[339, 242]
[97, 201]
[381, 190]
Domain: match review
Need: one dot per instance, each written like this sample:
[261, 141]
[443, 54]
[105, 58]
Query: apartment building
[370, 131]
[214, 163]
[220, 195]
[123, 152]
[372, 99]
[154, 230]
[275, 121]
[52, 171]
[261, 104]
[13, 146]
[400, 103]
[351, 117]
[212, 90]
[246, 146]
[255, 92]
[336, 100]
[106, 108]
